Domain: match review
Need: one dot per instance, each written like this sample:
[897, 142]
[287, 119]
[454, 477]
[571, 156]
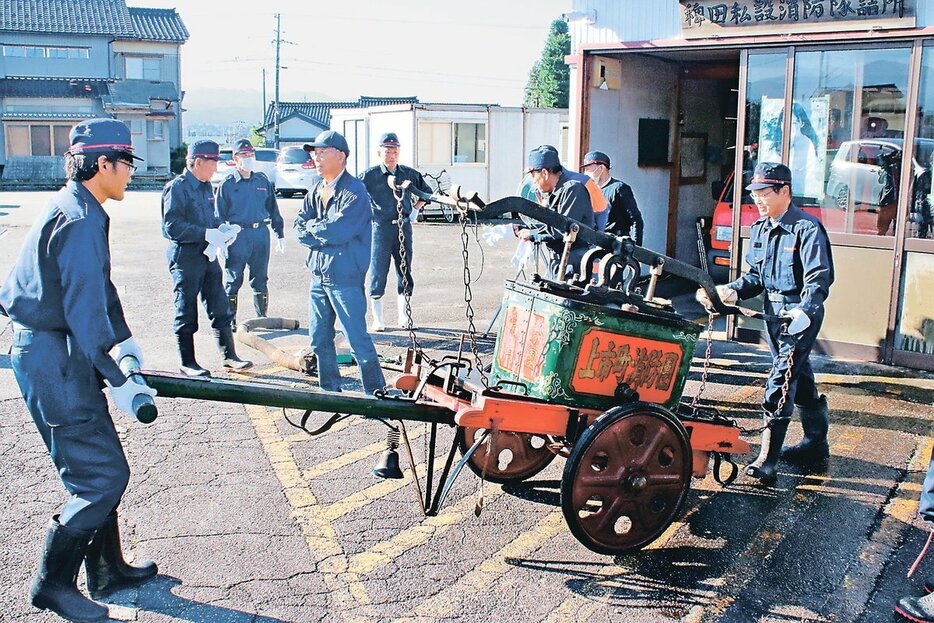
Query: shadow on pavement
[157, 596]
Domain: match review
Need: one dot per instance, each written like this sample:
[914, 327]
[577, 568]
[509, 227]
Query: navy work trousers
[194, 275]
[249, 250]
[63, 393]
[802, 390]
[347, 304]
[385, 249]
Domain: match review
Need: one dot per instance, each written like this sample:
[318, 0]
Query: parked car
[225, 166]
[266, 162]
[295, 171]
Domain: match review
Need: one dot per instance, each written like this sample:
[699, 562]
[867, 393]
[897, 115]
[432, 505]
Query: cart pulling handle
[144, 407]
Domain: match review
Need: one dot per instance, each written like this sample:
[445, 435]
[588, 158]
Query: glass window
[152, 68]
[136, 126]
[266, 155]
[134, 67]
[41, 140]
[154, 130]
[34, 52]
[765, 99]
[17, 143]
[60, 141]
[434, 143]
[469, 142]
[920, 212]
[294, 155]
[14, 50]
[846, 137]
[57, 52]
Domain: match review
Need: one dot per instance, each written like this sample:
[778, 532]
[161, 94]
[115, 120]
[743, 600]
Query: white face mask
[247, 164]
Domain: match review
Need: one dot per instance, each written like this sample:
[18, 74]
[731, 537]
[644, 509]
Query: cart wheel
[627, 478]
[518, 455]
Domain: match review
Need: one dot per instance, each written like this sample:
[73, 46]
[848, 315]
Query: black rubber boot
[918, 609]
[232, 301]
[814, 449]
[226, 343]
[765, 467]
[54, 587]
[261, 303]
[106, 569]
[186, 350]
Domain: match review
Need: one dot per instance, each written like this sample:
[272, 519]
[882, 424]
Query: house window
[17, 140]
[41, 140]
[144, 67]
[14, 50]
[136, 126]
[32, 51]
[155, 130]
[434, 143]
[470, 142]
[35, 52]
[60, 142]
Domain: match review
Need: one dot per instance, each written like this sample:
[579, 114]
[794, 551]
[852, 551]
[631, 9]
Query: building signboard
[720, 18]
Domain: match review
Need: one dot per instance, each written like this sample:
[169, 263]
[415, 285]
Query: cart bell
[388, 464]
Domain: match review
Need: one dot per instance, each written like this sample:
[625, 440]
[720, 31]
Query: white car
[295, 171]
[225, 166]
[265, 163]
[266, 158]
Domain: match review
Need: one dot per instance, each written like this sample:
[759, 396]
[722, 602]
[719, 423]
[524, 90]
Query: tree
[258, 140]
[549, 80]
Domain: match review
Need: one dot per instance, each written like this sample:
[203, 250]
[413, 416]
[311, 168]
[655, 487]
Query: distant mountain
[222, 107]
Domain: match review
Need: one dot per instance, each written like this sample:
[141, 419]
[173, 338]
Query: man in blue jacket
[196, 237]
[66, 317]
[790, 262]
[334, 223]
[248, 199]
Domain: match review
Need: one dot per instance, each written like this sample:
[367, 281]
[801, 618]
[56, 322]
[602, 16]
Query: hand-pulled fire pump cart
[591, 368]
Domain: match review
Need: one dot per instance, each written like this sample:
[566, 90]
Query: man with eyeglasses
[247, 198]
[66, 317]
[623, 217]
[790, 262]
[564, 195]
[196, 237]
[334, 223]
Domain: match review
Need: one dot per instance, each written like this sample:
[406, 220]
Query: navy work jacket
[382, 200]
[337, 234]
[245, 201]
[188, 210]
[791, 258]
[624, 218]
[61, 280]
[571, 199]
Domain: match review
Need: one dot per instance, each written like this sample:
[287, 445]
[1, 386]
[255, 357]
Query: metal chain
[468, 298]
[783, 395]
[703, 383]
[403, 267]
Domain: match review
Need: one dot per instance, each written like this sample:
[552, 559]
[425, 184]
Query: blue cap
[243, 145]
[329, 138]
[596, 157]
[550, 148]
[204, 149]
[100, 135]
[389, 139]
[541, 158]
[769, 174]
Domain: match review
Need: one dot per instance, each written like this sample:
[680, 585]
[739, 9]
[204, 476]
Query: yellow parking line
[349, 458]
[385, 552]
[483, 576]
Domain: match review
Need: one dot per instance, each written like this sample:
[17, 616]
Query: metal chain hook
[704, 375]
[468, 298]
[399, 195]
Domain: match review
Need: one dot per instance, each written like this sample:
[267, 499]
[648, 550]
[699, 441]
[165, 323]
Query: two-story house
[62, 61]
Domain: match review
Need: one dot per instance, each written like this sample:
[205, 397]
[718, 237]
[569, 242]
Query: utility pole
[275, 106]
[263, 117]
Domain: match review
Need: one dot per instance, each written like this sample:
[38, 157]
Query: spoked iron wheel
[517, 455]
[627, 478]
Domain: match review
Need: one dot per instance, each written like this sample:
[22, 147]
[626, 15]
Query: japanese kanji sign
[706, 18]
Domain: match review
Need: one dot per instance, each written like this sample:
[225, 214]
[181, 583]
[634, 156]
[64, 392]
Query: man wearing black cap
[334, 223]
[66, 317]
[196, 237]
[387, 223]
[790, 262]
[566, 196]
[623, 217]
[248, 199]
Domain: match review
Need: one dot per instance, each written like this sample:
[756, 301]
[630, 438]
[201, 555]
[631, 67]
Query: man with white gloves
[790, 262]
[196, 237]
[66, 317]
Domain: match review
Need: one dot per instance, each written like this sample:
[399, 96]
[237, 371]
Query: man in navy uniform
[386, 226]
[566, 196]
[248, 199]
[334, 223]
[66, 317]
[790, 262]
[196, 237]
[921, 609]
[623, 217]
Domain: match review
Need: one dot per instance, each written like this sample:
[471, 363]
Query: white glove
[494, 233]
[799, 320]
[216, 237]
[727, 295]
[310, 227]
[230, 232]
[124, 394]
[130, 347]
[523, 254]
[280, 245]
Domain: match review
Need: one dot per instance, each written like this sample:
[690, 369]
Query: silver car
[295, 171]
[225, 166]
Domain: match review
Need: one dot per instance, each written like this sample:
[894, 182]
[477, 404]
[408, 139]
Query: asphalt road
[251, 520]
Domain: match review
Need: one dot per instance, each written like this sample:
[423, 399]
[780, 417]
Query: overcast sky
[439, 50]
